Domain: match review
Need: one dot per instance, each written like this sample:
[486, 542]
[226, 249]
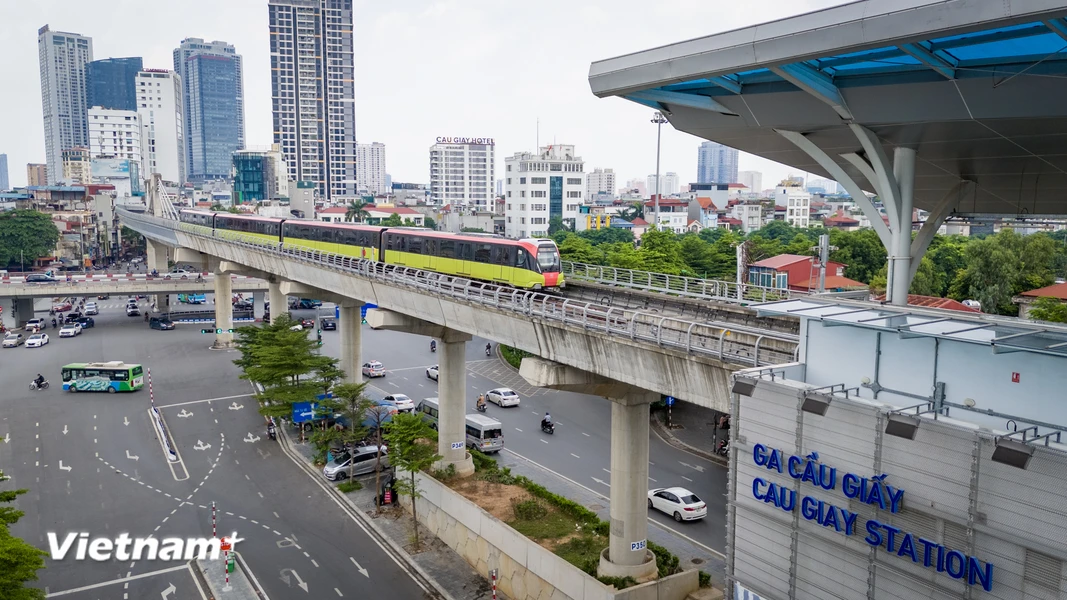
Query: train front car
[547, 260]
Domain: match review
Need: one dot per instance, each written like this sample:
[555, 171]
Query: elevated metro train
[528, 263]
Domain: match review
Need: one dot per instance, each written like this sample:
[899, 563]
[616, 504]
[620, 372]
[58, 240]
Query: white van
[429, 409]
[484, 433]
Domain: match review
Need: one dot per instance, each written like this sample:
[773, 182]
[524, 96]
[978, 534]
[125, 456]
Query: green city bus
[111, 377]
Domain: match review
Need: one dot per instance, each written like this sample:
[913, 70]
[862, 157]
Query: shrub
[444, 475]
[514, 356]
[528, 510]
[349, 486]
[705, 579]
[619, 583]
[665, 561]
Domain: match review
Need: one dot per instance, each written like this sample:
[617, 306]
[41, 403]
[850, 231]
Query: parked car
[14, 340]
[307, 323]
[401, 401]
[431, 372]
[678, 502]
[373, 369]
[161, 323]
[363, 460]
[328, 323]
[40, 278]
[70, 330]
[86, 322]
[37, 340]
[502, 397]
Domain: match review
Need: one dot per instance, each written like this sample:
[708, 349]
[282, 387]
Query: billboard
[111, 167]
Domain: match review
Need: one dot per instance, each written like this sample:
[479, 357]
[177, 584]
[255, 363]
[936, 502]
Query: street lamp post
[659, 120]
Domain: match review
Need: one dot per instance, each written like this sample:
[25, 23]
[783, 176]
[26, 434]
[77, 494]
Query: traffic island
[238, 584]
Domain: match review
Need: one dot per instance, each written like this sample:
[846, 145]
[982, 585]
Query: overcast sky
[469, 68]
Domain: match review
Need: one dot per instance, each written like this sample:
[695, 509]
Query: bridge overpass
[627, 355]
[17, 296]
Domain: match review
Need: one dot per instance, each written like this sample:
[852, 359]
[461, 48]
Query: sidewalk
[446, 569]
[694, 429]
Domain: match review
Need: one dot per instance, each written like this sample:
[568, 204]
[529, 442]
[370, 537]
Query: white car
[91, 309]
[179, 274]
[37, 340]
[37, 323]
[678, 502]
[431, 372]
[70, 330]
[502, 397]
[373, 369]
[401, 401]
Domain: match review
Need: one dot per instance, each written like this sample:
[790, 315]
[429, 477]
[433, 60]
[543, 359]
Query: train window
[415, 244]
[505, 256]
[520, 258]
[482, 252]
[429, 246]
[375, 239]
[464, 250]
[389, 241]
[447, 249]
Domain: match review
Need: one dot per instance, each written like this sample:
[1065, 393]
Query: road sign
[216, 331]
[304, 411]
[635, 546]
[670, 400]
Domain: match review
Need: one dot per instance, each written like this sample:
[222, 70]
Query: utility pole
[659, 120]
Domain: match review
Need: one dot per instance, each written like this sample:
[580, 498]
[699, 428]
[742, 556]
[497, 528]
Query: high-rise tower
[62, 58]
[213, 105]
[312, 92]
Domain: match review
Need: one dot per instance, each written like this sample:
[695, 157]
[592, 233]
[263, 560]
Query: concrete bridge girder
[629, 459]
[696, 378]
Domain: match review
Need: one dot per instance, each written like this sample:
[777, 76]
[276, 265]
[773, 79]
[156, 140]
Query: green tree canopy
[19, 561]
[1052, 310]
[25, 236]
[429, 223]
[411, 449]
[356, 211]
[393, 220]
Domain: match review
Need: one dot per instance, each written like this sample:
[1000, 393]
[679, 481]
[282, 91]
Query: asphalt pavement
[580, 450]
[92, 463]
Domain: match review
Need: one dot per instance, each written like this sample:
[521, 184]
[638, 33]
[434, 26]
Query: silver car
[362, 461]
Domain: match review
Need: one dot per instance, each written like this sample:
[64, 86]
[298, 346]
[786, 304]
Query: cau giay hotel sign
[874, 491]
[466, 141]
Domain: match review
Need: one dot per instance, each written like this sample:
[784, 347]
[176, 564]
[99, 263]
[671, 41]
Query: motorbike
[480, 407]
[34, 387]
[487, 350]
[724, 448]
[433, 347]
[53, 323]
[548, 428]
[271, 433]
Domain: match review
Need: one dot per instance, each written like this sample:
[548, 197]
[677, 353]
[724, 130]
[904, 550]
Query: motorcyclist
[481, 401]
[54, 323]
[39, 381]
[547, 421]
[433, 345]
[488, 347]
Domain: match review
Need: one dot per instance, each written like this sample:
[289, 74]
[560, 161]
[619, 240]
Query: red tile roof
[933, 302]
[833, 282]
[736, 186]
[730, 221]
[840, 219]
[396, 211]
[1058, 290]
[639, 222]
[334, 210]
[706, 204]
[782, 260]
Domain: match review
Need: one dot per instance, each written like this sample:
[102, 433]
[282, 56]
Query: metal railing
[696, 338]
[677, 285]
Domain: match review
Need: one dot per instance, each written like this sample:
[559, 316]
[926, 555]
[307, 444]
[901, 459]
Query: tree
[579, 250]
[660, 252]
[607, 235]
[1052, 310]
[556, 224]
[991, 269]
[861, 251]
[429, 223]
[282, 360]
[411, 449]
[636, 210]
[19, 561]
[356, 211]
[354, 408]
[472, 230]
[392, 220]
[25, 236]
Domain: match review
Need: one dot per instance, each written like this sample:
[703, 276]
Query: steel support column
[904, 173]
[223, 310]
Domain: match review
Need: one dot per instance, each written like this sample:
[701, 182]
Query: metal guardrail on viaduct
[688, 359]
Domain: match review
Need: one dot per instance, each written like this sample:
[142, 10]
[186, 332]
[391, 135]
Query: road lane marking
[575, 455]
[586, 434]
[652, 480]
[519, 430]
[314, 563]
[543, 442]
[338, 592]
[205, 400]
[276, 516]
[687, 479]
[608, 471]
[260, 494]
[115, 581]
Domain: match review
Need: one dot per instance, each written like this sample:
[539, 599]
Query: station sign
[466, 141]
[874, 491]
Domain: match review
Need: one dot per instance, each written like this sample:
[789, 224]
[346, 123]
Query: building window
[522, 193]
[522, 180]
[574, 194]
[574, 181]
[540, 180]
[537, 193]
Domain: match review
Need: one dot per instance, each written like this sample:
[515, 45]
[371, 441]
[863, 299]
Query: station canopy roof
[977, 87]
